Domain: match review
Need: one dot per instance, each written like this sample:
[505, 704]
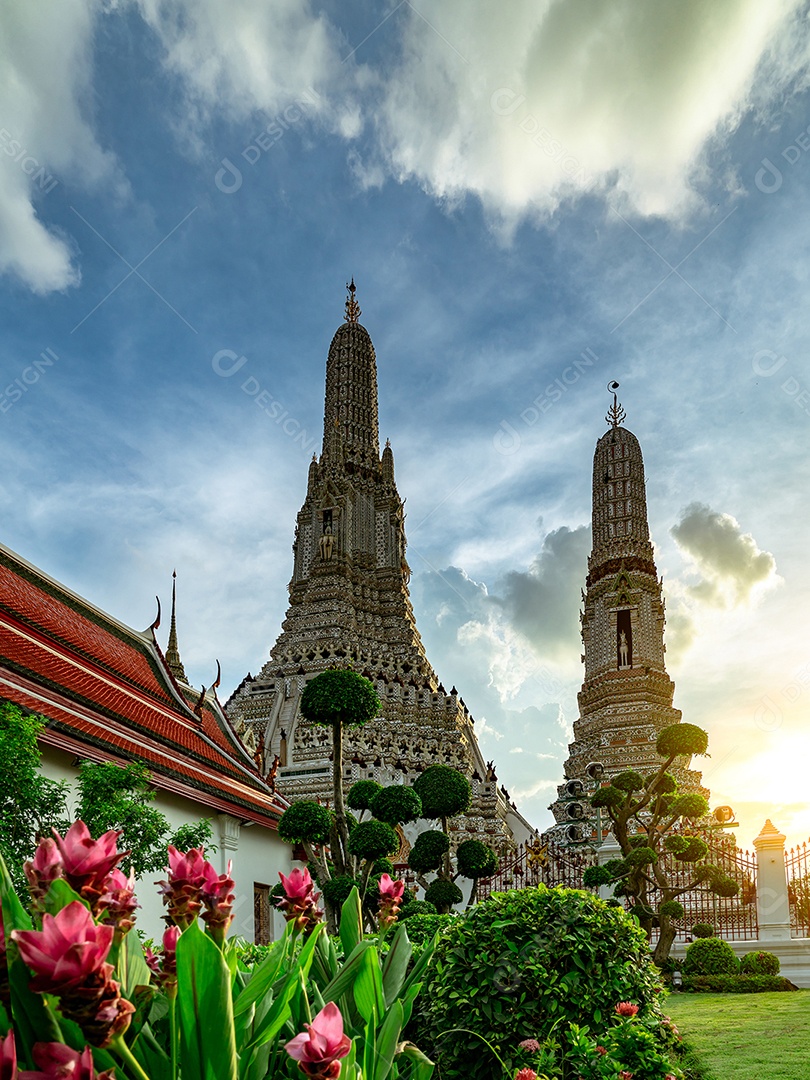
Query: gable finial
[615, 414]
[172, 650]
[352, 307]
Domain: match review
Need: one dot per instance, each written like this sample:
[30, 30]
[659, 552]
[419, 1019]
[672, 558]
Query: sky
[533, 200]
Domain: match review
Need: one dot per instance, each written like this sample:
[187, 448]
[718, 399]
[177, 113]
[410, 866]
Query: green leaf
[206, 1009]
[351, 922]
[132, 970]
[265, 974]
[370, 1047]
[345, 978]
[396, 963]
[387, 1039]
[280, 1011]
[348, 1067]
[421, 1067]
[59, 895]
[368, 987]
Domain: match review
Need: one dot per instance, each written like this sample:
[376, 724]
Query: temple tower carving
[349, 604]
[626, 696]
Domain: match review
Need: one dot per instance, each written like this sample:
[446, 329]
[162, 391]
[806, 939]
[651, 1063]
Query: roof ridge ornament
[352, 307]
[615, 414]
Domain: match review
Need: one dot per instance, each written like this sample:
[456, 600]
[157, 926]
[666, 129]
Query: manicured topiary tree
[361, 794]
[643, 813]
[529, 963]
[397, 804]
[336, 698]
[710, 956]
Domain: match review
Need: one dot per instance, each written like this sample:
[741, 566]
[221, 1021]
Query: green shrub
[416, 907]
[339, 696]
[337, 890]
[710, 956]
[443, 895]
[526, 962]
[373, 840]
[421, 928]
[396, 804]
[759, 963]
[736, 984]
[305, 820]
[428, 851]
[702, 930]
[475, 860]
[444, 791]
[362, 793]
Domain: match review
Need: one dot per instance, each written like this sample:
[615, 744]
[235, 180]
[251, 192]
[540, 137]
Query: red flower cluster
[300, 901]
[192, 884]
[391, 893]
[318, 1050]
[58, 1062]
[68, 959]
[164, 965]
[531, 1046]
[626, 1008]
[526, 1074]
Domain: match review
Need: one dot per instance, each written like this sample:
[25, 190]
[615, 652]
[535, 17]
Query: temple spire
[615, 414]
[350, 407]
[172, 651]
[352, 307]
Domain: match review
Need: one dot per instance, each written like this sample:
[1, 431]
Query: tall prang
[350, 605]
[626, 696]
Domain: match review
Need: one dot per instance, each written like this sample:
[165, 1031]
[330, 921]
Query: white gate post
[609, 850]
[773, 907]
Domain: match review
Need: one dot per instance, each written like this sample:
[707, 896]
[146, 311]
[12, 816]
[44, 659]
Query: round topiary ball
[383, 866]
[339, 696]
[443, 895]
[710, 956]
[475, 860]
[759, 963]
[673, 908]
[337, 890]
[428, 851]
[305, 821]
[362, 793]
[417, 907]
[373, 840]
[513, 961]
[396, 804]
[686, 739]
[444, 791]
[702, 930]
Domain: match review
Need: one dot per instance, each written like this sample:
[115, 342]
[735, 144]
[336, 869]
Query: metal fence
[538, 862]
[797, 865]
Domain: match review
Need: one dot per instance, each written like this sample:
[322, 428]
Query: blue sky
[532, 202]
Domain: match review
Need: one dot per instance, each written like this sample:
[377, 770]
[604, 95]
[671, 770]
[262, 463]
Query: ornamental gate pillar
[773, 909]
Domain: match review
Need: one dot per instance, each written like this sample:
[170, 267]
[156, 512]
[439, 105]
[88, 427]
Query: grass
[746, 1036]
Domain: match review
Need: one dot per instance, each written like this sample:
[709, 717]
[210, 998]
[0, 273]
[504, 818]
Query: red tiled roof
[108, 693]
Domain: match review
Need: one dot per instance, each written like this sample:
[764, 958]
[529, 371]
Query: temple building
[626, 696]
[349, 605]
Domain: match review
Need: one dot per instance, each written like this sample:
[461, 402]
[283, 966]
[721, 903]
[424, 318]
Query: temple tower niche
[350, 605]
[626, 696]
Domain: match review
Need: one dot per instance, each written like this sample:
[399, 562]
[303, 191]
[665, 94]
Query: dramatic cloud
[45, 133]
[729, 561]
[527, 107]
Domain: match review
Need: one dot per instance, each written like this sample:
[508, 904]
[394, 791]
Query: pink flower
[217, 896]
[87, 862]
[298, 886]
[626, 1008]
[526, 1074]
[625, 1075]
[61, 1063]
[45, 867]
[300, 900]
[318, 1050]
[601, 1050]
[390, 896]
[67, 951]
[68, 959]
[117, 903]
[8, 1058]
[182, 892]
[531, 1046]
[164, 964]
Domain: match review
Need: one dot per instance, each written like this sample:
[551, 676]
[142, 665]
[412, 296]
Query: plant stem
[174, 1033]
[119, 1047]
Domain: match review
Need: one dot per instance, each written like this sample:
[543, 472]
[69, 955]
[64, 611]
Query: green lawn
[747, 1036]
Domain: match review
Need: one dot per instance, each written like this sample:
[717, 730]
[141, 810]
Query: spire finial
[615, 414]
[172, 651]
[352, 307]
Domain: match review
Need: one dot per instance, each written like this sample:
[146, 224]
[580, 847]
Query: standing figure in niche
[624, 659]
[326, 544]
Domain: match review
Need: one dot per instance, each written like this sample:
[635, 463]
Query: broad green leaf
[368, 987]
[351, 922]
[421, 1067]
[348, 1067]
[420, 965]
[387, 1039]
[264, 975]
[370, 1047]
[344, 980]
[280, 1011]
[396, 963]
[150, 1055]
[132, 970]
[59, 895]
[205, 1009]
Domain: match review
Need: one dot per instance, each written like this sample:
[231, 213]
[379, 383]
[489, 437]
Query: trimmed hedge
[759, 963]
[710, 956]
[736, 984]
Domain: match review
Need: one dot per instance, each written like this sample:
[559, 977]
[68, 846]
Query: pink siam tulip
[45, 867]
[318, 1050]
[59, 1062]
[217, 897]
[164, 965]
[391, 893]
[8, 1058]
[117, 903]
[68, 959]
[182, 892]
[300, 900]
[87, 862]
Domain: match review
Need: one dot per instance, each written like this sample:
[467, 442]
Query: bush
[417, 907]
[475, 860]
[710, 956]
[396, 804]
[339, 696]
[373, 840]
[421, 928]
[362, 793]
[428, 851]
[759, 963]
[443, 895]
[305, 820]
[526, 962]
[337, 890]
[736, 984]
[702, 930]
[444, 791]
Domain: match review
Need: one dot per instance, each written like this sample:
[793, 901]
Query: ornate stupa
[626, 696]
[350, 605]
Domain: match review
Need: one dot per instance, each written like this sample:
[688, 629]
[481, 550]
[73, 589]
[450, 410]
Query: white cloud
[731, 565]
[566, 96]
[45, 133]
